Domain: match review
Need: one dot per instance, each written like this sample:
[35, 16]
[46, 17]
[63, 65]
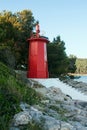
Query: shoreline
[74, 74]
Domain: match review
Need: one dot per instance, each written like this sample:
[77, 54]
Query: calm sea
[81, 78]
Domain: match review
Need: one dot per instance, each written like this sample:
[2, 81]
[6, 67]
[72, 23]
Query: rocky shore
[56, 111]
[81, 86]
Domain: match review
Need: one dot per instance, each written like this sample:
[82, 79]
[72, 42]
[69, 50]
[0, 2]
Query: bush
[5, 53]
[12, 92]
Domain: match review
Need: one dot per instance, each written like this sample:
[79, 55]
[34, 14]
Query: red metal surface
[37, 62]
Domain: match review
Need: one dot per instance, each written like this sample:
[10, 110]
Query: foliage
[57, 58]
[26, 21]
[5, 53]
[6, 31]
[31, 126]
[72, 64]
[81, 65]
[12, 92]
[15, 28]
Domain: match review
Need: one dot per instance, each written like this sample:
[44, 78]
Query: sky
[64, 18]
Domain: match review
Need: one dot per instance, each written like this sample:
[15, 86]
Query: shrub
[12, 92]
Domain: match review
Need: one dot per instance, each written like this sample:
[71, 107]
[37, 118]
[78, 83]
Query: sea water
[81, 79]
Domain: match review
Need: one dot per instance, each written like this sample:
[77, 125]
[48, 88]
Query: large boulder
[22, 118]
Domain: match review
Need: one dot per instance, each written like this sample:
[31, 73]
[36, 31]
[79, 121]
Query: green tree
[15, 28]
[57, 58]
[72, 64]
[26, 20]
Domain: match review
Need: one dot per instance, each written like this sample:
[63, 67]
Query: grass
[12, 92]
[30, 126]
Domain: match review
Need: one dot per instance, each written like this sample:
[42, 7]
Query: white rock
[50, 123]
[22, 118]
[65, 88]
[66, 126]
[24, 106]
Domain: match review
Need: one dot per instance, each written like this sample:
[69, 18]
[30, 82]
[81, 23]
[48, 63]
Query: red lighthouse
[37, 61]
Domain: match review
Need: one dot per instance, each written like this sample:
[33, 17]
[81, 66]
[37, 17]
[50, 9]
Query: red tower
[37, 61]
